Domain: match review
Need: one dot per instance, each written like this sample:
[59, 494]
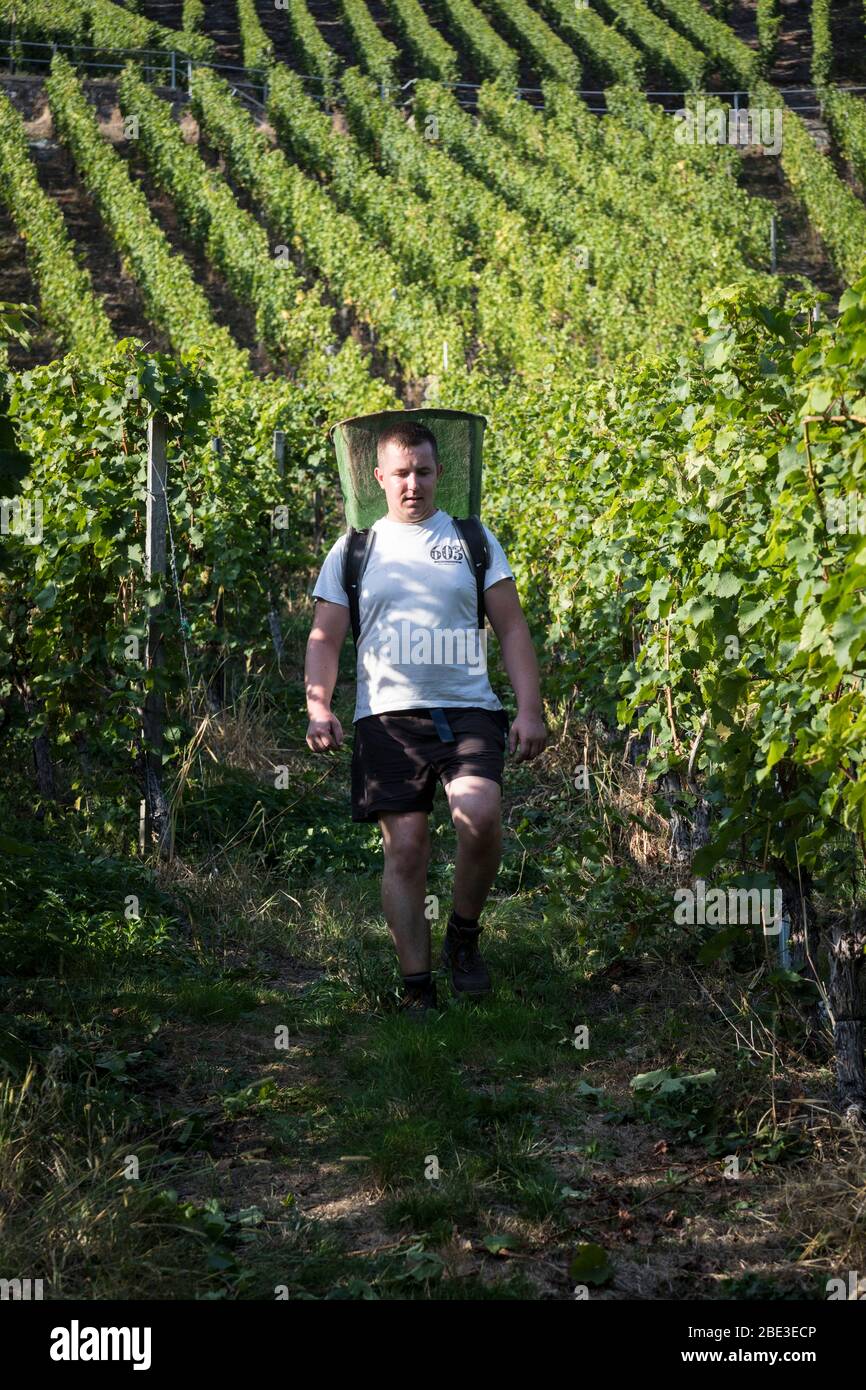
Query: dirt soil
[674, 1225]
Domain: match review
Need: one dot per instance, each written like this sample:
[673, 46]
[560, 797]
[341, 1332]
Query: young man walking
[421, 714]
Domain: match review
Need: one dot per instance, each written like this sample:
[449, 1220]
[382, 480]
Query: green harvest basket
[459, 437]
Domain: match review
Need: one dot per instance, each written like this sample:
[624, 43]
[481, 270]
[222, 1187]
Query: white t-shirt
[420, 646]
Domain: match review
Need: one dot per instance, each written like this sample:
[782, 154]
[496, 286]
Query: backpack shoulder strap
[355, 558]
[472, 533]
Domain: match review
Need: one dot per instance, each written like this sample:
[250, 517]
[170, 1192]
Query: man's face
[408, 478]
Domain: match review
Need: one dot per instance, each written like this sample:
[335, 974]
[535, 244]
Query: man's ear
[379, 476]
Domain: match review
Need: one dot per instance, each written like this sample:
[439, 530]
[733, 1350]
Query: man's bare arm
[321, 666]
[518, 657]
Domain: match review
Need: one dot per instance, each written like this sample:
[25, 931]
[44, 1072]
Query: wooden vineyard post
[680, 847]
[155, 817]
[319, 522]
[41, 753]
[273, 615]
[217, 685]
[280, 451]
[848, 1009]
[798, 913]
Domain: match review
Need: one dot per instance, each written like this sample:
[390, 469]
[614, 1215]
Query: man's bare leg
[476, 811]
[406, 837]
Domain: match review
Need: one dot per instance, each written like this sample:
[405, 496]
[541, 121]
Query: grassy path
[223, 1102]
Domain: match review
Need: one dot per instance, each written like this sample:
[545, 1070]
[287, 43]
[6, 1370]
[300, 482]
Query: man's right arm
[321, 666]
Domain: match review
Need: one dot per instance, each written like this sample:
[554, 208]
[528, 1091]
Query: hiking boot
[460, 954]
[419, 1004]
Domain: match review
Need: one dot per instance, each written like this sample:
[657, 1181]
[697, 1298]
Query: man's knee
[406, 838]
[483, 832]
[478, 818]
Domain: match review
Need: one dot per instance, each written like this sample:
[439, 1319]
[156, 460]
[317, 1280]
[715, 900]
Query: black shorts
[398, 757]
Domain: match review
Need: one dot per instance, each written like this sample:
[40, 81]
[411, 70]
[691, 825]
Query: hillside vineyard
[631, 234]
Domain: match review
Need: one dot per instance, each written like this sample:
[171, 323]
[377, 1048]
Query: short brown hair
[408, 436]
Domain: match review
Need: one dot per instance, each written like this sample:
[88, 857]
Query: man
[418, 718]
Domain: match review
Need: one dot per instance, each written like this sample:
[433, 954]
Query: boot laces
[467, 954]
